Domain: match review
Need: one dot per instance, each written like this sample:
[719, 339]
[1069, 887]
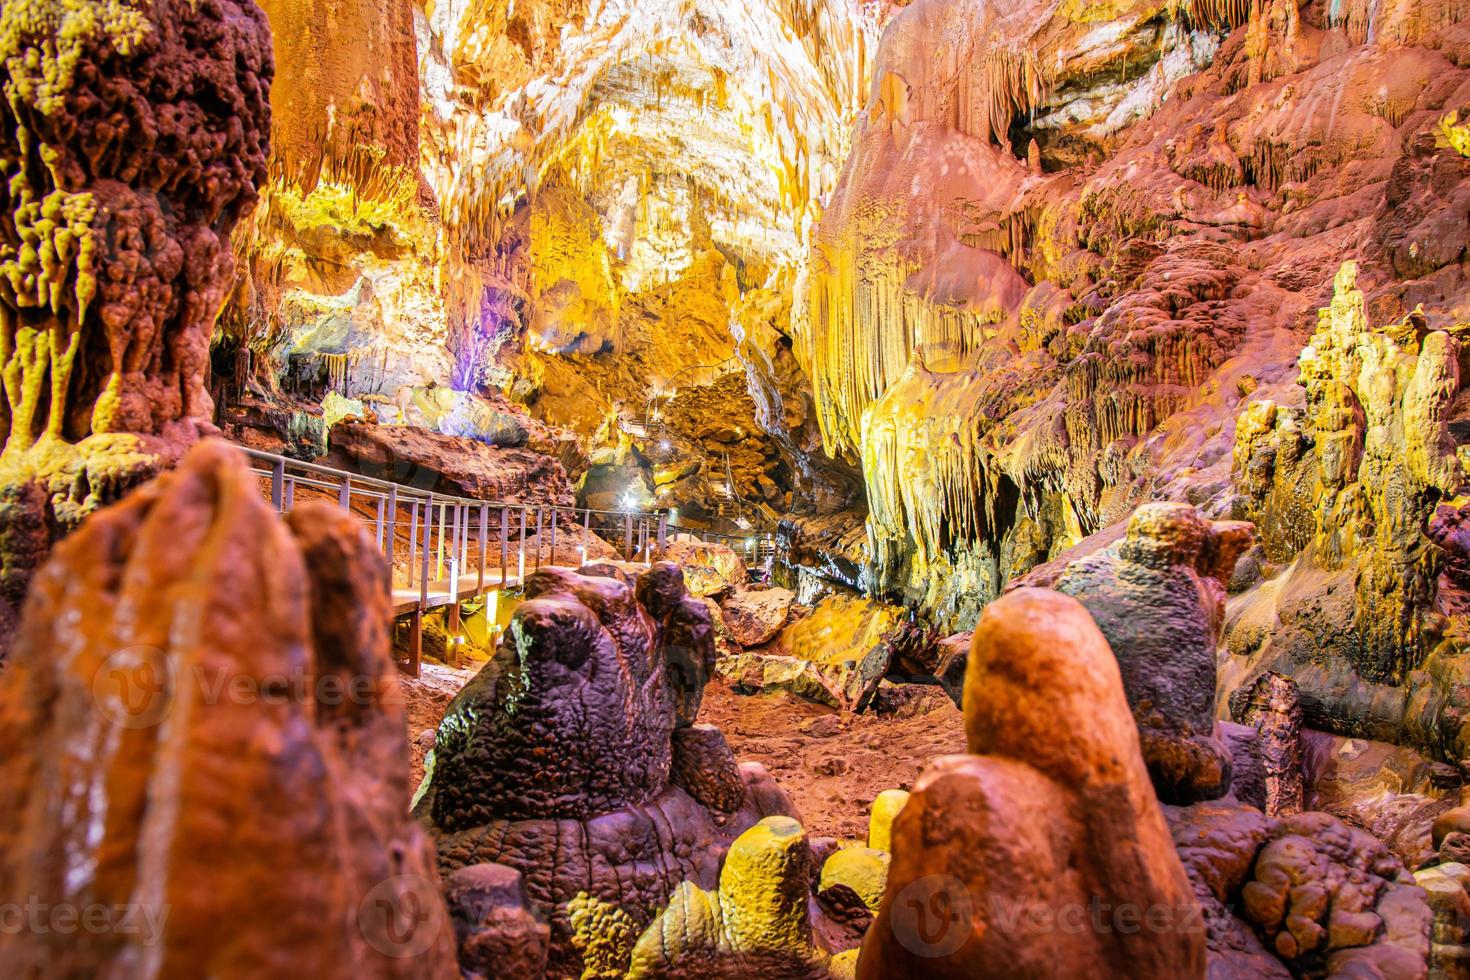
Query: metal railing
[450, 538]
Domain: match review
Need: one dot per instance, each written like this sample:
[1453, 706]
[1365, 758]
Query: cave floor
[831, 764]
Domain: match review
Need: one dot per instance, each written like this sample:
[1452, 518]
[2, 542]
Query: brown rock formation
[449, 464]
[560, 759]
[1158, 597]
[1331, 899]
[837, 654]
[132, 138]
[1022, 346]
[754, 617]
[1273, 708]
[1358, 491]
[226, 718]
[1037, 830]
[498, 934]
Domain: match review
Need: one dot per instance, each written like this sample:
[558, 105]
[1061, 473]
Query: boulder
[447, 464]
[971, 891]
[1272, 707]
[1445, 888]
[754, 617]
[1329, 897]
[233, 738]
[710, 569]
[572, 757]
[1218, 842]
[838, 655]
[499, 937]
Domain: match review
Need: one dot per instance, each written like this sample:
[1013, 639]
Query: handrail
[441, 527]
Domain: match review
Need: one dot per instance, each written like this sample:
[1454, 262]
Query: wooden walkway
[459, 548]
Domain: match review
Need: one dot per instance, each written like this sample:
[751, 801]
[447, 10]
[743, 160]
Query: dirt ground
[831, 764]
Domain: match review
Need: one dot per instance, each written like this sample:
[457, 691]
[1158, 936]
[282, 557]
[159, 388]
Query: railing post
[439, 551]
[586, 534]
[521, 558]
[428, 541]
[378, 521]
[628, 537]
[454, 549]
[538, 539]
[553, 536]
[344, 493]
[504, 545]
[290, 493]
[663, 532]
[413, 539]
[484, 518]
[278, 485]
[464, 536]
[392, 538]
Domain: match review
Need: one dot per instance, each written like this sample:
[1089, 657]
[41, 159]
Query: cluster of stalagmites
[215, 685]
[209, 746]
[1041, 295]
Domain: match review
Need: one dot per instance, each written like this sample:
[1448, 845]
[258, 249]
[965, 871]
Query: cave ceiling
[651, 109]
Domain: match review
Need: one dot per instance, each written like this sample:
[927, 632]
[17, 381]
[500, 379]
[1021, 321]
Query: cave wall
[1071, 245]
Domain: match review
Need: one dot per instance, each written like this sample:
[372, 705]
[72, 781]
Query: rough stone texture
[705, 768]
[685, 645]
[1327, 899]
[710, 569]
[979, 827]
[498, 935]
[1247, 770]
[837, 655]
[887, 805]
[449, 464]
[1158, 597]
[755, 616]
[229, 721]
[1218, 844]
[863, 871]
[1273, 708]
[757, 922]
[1391, 791]
[1331, 898]
[1445, 889]
[1358, 491]
[132, 138]
[557, 758]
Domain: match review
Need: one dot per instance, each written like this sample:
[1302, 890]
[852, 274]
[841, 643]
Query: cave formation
[675, 488]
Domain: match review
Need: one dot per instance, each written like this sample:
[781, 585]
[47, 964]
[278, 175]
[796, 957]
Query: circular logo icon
[402, 916]
[134, 688]
[932, 916]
